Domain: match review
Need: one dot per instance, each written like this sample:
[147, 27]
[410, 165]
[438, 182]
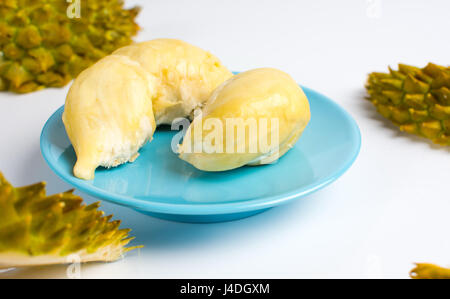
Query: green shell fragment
[417, 100]
[41, 46]
[36, 229]
[429, 271]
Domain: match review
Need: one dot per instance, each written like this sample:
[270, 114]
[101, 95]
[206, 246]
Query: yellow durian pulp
[108, 114]
[113, 107]
[186, 74]
[261, 94]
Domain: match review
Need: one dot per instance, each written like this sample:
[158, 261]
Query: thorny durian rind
[429, 271]
[417, 100]
[41, 46]
[36, 229]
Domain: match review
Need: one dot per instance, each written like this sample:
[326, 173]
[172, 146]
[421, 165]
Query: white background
[390, 210]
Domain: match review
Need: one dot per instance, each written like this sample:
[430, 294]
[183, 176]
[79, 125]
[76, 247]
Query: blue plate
[159, 184]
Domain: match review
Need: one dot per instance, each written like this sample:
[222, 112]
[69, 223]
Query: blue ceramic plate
[159, 184]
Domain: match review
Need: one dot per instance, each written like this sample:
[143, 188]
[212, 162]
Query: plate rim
[208, 208]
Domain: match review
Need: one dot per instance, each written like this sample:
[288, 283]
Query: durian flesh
[262, 97]
[417, 100]
[111, 107]
[108, 114]
[186, 74]
[36, 229]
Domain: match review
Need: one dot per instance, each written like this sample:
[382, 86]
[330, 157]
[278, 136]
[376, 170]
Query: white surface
[389, 211]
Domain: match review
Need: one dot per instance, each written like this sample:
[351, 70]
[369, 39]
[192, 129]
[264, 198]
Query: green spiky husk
[417, 100]
[429, 271]
[37, 229]
[40, 46]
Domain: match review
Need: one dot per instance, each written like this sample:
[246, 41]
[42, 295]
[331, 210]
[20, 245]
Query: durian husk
[41, 45]
[417, 100]
[429, 271]
[36, 229]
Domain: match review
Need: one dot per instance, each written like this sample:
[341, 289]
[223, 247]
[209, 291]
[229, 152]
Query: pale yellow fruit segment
[186, 74]
[257, 95]
[108, 114]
